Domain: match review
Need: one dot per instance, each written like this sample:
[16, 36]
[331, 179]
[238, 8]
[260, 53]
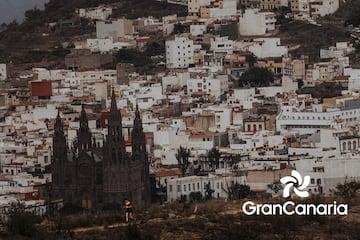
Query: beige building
[115, 29]
[201, 121]
[269, 4]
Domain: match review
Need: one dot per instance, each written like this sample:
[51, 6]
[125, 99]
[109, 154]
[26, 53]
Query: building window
[170, 188]
[184, 187]
[178, 188]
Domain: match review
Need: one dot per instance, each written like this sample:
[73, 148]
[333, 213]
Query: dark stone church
[93, 176]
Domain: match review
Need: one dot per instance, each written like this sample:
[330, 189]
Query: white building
[290, 119]
[3, 71]
[221, 45]
[105, 45]
[341, 49]
[222, 8]
[263, 47]
[323, 7]
[253, 22]
[168, 23]
[98, 13]
[115, 29]
[176, 188]
[174, 82]
[321, 71]
[179, 52]
[213, 85]
[354, 79]
[197, 29]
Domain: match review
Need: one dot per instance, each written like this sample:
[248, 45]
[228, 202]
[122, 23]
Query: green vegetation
[310, 38]
[323, 90]
[212, 219]
[349, 12]
[348, 189]
[142, 60]
[182, 157]
[230, 30]
[21, 222]
[256, 77]
[213, 156]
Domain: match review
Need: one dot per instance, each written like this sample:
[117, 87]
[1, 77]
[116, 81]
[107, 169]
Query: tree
[21, 221]
[238, 191]
[178, 28]
[214, 158]
[348, 189]
[232, 159]
[256, 77]
[208, 191]
[251, 59]
[182, 157]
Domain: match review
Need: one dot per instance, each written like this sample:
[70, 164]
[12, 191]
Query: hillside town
[181, 107]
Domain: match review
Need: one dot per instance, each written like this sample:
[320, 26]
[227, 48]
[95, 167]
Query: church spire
[115, 142]
[58, 124]
[137, 120]
[138, 135]
[84, 134]
[83, 118]
[59, 140]
[113, 107]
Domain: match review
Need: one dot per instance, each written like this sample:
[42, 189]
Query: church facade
[93, 176]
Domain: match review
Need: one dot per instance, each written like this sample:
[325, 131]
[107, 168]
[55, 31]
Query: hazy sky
[15, 9]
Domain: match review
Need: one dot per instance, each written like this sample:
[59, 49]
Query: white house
[221, 45]
[323, 7]
[213, 85]
[178, 187]
[263, 47]
[197, 29]
[105, 45]
[354, 79]
[98, 13]
[179, 52]
[253, 22]
[222, 8]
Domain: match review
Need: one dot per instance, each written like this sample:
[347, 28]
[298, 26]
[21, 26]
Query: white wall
[179, 52]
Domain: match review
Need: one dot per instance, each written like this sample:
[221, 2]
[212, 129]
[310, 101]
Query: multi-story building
[221, 45]
[313, 8]
[213, 85]
[211, 9]
[253, 22]
[195, 5]
[290, 119]
[294, 68]
[179, 52]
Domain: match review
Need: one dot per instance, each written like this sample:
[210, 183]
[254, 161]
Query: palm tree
[214, 158]
[182, 157]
